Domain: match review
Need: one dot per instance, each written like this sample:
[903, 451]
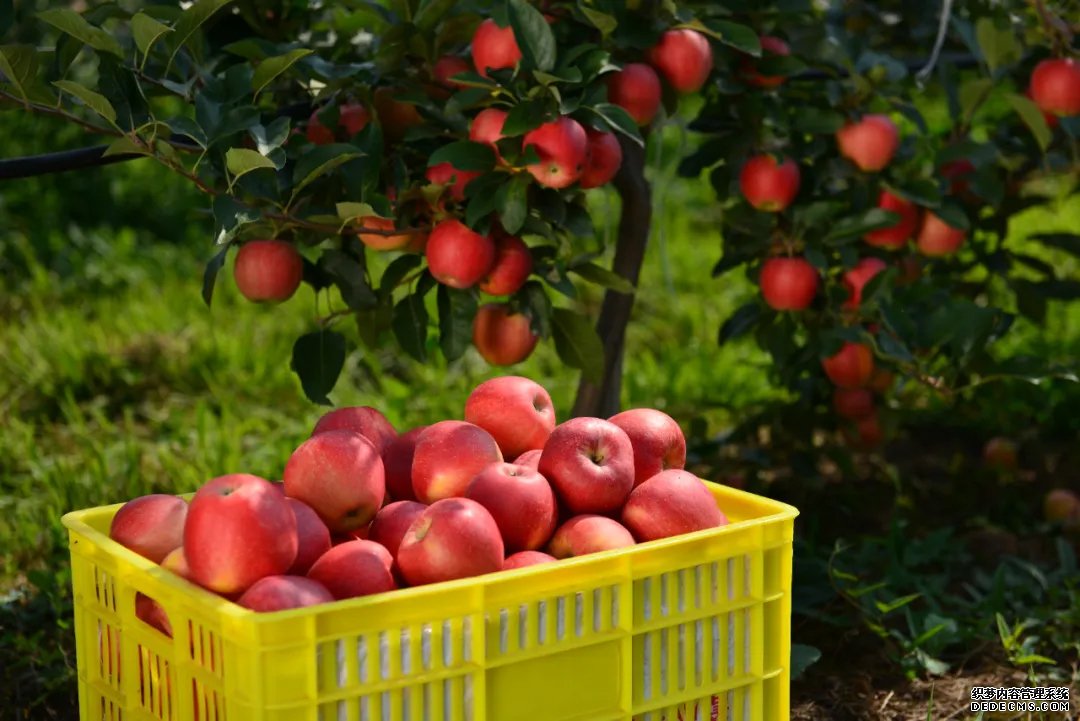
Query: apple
[455, 180]
[448, 455]
[530, 459]
[881, 381]
[449, 66]
[487, 127]
[238, 530]
[494, 48]
[382, 241]
[458, 256]
[524, 559]
[318, 133]
[176, 562]
[895, 236]
[353, 117]
[563, 148]
[657, 440]
[866, 433]
[768, 185]
[857, 278]
[502, 336]
[356, 568]
[391, 523]
[151, 613]
[516, 411]
[152, 525]
[853, 403]
[365, 420]
[281, 593]
[870, 143]
[956, 171]
[453, 538]
[1055, 86]
[1000, 453]
[268, 271]
[512, 266]
[671, 503]
[770, 45]
[788, 283]
[590, 464]
[684, 58]
[851, 366]
[340, 475]
[521, 502]
[1062, 506]
[313, 537]
[603, 159]
[937, 238]
[397, 460]
[589, 533]
[635, 89]
[395, 116]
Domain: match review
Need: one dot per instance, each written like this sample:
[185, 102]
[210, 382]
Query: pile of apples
[364, 510]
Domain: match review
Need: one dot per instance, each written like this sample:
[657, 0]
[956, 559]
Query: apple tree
[423, 165]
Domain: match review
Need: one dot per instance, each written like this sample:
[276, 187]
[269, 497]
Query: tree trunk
[602, 399]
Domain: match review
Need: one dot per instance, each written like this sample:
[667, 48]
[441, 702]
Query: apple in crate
[448, 455]
[281, 593]
[366, 421]
[669, 504]
[658, 442]
[453, 538]
[590, 464]
[150, 612]
[238, 530]
[397, 460]
[150, 525]
[586, 534]
[313, 537]
[340, 475]
[524, 559]
[392, 522]
[516, 411]
[530, 459]
[176, 562]
[521, 502]
[356, 568]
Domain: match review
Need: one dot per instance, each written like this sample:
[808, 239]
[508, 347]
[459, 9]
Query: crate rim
[75, 522]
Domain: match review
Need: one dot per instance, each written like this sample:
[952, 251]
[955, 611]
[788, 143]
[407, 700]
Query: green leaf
[511, 203]
[820, 121]
[188, 128]
[953, 214]
[210, 274]
[75, 25]
[735, 35]
[317, 358]
[348, 275]
[95, 101]
[1032, 116]
[351, 211]
[739, 323]
[192, 19]
[620, 121]
[896, 603]
[241, 161]
[272, 67]
[125, 145]
[431, 13]
[398, 269]
[457, 309]
[410, 326]
[602, 276]
[856, 225]
[464, 155]
[802, 658]
[577, 343]
[230, 215]
[146, 31]
[533, 35]
[19, 64]
[534, 302]
[603, 22]
[319, 161]
[998, 45]
[973, 93]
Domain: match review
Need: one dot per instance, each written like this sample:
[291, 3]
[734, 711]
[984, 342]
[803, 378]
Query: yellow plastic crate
[691, 628]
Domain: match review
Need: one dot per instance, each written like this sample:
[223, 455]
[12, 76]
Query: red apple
[788, 283]
[603, 159]
[896, 235]
[684, 58]
[881, 381]
[281, 593]
[768, 185]
[494, 48]
[391, 523]
[671, 503]
[397, 460]
[382, 241]
[1055, 86]
[588, 533]
[563, 148]
[312, 535]
[937, 238]
[353, 117]
[956, 171]
[636, 89]
[870, 143]
[769, 46]
[268, 271]
[458, 256]
[512, 266]
[853, 403]
[355, 568]
[521, 502]
[318, 133]
[454, 538]
[365, 420]
[524, 559]
[340, 475]
[1062, 506]
[455, 180]
[151, 613]
[487, 127]
[448, 455]
[176, 562]
[447, 67]
[503, 337]
[395, 116]
[657, 440]
[152, 525]
[516, 411]
[857, 278]
[530, 459]
[590, 464]
[238, 530]
[851, 367]
[866, 432]
[1000, 453]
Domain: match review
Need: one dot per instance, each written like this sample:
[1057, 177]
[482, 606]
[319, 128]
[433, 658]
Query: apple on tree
[788, 283]
[268, 271]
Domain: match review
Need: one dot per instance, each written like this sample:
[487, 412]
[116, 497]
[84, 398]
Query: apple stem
[601, 399]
